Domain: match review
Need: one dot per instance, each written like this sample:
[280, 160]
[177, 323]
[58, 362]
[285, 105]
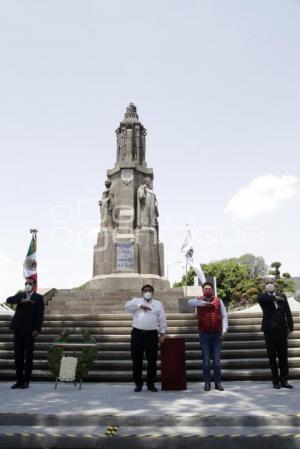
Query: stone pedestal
[127, 281]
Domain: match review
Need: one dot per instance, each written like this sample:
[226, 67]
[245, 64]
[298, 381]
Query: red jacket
[210, 318]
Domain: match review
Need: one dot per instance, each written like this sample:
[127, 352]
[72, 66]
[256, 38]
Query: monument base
[126, 281]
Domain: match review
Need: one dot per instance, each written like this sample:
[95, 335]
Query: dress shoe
[276, 385]
[24, 385]
[138, 388]
[152, 388]
[207, 386]
[219, 386]
[17, 385]
[285, 384]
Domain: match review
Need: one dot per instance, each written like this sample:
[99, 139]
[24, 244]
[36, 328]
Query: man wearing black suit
[277, 323]
[26, 325]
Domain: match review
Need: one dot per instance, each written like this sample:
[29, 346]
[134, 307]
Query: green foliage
[284, 283]
[86, 356]
[239, 280]
[276, 264]
[232, 277]
[187, 279]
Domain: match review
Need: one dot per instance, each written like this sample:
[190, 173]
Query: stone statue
[125, 145]
[147, 207]
[107, 206]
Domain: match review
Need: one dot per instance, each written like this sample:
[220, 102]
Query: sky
[216, 84]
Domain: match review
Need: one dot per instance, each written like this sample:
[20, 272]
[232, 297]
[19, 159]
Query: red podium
[172, 356]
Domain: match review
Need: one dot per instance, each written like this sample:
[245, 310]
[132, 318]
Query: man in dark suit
[277, 323]
[26, 325]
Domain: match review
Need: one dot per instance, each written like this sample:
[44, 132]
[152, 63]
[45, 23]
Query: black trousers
[144, 342]
[277, 346]
[23, 347]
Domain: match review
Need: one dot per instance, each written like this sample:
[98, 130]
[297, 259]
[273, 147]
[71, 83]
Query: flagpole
[34, 232]
[187, 227]
[185, 278]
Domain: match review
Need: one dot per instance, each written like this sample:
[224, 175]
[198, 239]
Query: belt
[142, 331]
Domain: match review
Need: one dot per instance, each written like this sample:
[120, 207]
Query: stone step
[126, 365]
[125, 345]
[121, 330]
[191, 354]
[153, 420]
[149, 436]
[32, 418]
[243, 350]
[126, 376]
[169, 293]
[125, 336]
[147, 430]
[103, 316]
[126, 322]
[97, 323]
[113, 343]
[172, 320]
[249, 317]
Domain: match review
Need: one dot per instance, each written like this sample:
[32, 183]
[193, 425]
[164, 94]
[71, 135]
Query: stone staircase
[243, 354]
[82, 301]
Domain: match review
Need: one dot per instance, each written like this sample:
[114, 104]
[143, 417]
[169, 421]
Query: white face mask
[28, 288]
[148, 296]
[270, 287]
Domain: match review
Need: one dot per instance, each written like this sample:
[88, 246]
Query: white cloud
[264, 194]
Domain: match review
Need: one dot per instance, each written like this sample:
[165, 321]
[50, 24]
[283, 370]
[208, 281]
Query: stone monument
[128, 252]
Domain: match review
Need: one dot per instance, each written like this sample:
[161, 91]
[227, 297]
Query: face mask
[148, 296]
[28, 288]
[208, 294]
[270, 287]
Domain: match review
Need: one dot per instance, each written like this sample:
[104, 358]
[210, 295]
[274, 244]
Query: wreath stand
[68, 364]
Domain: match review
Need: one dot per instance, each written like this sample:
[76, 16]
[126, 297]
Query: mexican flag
[30, 263]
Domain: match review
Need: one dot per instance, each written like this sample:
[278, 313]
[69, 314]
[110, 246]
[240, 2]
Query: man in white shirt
[148, 317]
[212, 325]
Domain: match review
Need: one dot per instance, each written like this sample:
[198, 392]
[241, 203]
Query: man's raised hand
[145, 307]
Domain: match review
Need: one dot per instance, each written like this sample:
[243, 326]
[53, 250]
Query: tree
[256, 266]
[275, 272]
[187, 279]
[239, 280]
[285, 283]
[233, 279]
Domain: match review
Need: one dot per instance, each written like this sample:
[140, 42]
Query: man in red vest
[212, 325]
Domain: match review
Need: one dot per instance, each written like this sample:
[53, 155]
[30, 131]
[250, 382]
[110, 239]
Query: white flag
[188, 250]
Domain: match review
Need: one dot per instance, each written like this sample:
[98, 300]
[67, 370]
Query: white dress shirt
[152, 319]
[196, 302]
